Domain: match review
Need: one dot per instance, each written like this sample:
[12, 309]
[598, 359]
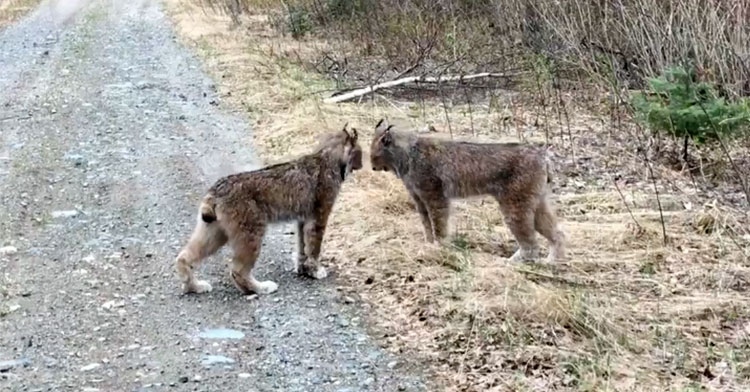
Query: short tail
[208, 209]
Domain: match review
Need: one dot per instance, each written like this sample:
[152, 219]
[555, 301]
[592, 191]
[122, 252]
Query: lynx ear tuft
[348, 136]
[381, 125]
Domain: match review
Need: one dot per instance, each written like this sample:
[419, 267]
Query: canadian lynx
[238, 208]
[435, 171]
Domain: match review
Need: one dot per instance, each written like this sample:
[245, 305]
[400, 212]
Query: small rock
[8, 250]
[90, 367]
[142, 85]
[221, 333]
[183, 379]
[112, 304]
[197, 378]
[244, 375]
[209, 360]
[392, 364]
[64, 214]
[7, 365]
[369, 382]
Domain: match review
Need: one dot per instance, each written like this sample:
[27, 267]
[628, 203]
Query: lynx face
[380, 146]
[352, 156]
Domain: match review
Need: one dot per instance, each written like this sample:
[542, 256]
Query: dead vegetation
[632, 310]
[12, 10]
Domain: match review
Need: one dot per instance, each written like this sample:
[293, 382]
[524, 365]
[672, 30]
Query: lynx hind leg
[520, 221]
[299, 258]
[246, 248]
[205, 241]
[546, 224]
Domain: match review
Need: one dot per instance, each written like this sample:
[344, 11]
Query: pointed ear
[381, 126]
[355, 135]
[348, 136]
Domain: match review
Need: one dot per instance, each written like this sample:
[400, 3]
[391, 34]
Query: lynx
[238, 208]
[435, 171]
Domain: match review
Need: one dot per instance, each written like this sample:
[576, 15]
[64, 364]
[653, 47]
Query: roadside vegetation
[644, 105]
[12, 10]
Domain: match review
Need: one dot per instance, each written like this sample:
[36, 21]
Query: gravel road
[109, 135]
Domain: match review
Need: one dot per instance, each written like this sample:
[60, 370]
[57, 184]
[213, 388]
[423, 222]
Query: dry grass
[626, 313]
[12, 10]
[623, 40]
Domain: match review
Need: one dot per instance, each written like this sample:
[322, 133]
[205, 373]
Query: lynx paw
[266, 287]
[556, 255]
[319, 272]
[523, 255]
[197, 287]
[313, 271]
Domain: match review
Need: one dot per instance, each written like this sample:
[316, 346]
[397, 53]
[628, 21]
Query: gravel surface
[109, 135]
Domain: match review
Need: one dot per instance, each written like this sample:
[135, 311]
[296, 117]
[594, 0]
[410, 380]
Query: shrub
[298, 20]
[681, 106]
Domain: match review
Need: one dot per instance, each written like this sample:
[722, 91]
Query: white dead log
[411, 79]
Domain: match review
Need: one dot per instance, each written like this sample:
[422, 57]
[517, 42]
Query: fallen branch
[411, 79]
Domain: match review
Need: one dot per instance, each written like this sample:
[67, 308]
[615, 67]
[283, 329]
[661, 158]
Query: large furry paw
[319, 272]
[523, 256]
[197, 287]
[313, 271]
[555, 256]
[266, 287]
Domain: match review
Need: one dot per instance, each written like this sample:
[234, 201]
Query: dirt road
[109, 135]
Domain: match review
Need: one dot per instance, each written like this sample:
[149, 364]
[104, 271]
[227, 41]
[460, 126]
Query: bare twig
[725, 151]
[552, 278]
[626, 204]
[412, 79]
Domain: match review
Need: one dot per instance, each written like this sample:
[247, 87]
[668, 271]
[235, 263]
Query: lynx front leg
[425, 217]
[439, 212]
[314, 229]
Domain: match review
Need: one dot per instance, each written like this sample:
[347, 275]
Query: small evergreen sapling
[685, 108]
